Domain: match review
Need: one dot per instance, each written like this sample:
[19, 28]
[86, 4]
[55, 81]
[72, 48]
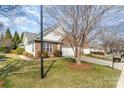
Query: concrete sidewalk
[120, 83]
[118, 66]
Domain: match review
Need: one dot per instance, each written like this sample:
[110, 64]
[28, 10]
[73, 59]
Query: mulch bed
[82, 66]
[1, 83]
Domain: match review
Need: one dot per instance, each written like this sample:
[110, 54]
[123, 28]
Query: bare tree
[78, 22]
[108, 39]
[8, 10]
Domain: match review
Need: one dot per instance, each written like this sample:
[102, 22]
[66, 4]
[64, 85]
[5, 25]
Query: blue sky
[26, 18]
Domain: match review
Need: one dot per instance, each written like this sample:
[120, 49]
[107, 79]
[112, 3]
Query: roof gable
[54, 34]
[29, 36]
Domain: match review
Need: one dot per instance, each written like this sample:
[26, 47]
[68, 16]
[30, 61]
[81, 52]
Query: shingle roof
[30, 36]
[50, 29]
[33, 36]
[46, 32]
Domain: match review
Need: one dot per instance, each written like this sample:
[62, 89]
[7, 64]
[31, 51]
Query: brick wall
[66, 42]
[38, 48]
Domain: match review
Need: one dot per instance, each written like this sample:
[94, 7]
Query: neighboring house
[96, 47]
[53, 39]
[28, 42]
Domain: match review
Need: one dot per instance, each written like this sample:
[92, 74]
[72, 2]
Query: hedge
[27, 54]
[4, 49]
[57, 53]
[20, 51]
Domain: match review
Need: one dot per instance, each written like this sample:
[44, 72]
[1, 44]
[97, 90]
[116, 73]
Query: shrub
[20, 51]
[27, 54]
[13, 51]
[57, 53]
[90, 55]
[30, 55]
[45, 54]
[39, 54]
[4, 49]
[98, 53]
[1, 49]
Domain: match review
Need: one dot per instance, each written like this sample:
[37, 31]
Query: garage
[67, 52]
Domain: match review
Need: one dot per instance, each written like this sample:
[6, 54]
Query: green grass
[26, 74]
[2, 56]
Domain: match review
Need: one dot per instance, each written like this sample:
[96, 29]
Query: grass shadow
[3, 58]
[51, 65]
[9, 69]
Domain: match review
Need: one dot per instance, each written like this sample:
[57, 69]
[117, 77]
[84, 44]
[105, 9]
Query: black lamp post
[41, 28]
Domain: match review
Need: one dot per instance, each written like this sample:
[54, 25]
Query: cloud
[26, 22]
[20, 20]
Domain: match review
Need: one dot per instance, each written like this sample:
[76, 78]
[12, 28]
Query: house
[68, 51]
[95, 46]
[28, 42]
[53, 39]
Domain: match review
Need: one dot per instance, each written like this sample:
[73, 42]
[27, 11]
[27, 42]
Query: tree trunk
[77, 53]
[78, 56]
[78, 60]
[105, 51]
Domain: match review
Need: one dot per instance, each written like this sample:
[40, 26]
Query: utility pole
[41, 28]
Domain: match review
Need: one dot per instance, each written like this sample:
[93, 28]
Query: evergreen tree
[7, 39]
[22, 36]
[8, 34]
[2, 36]
[16, 40]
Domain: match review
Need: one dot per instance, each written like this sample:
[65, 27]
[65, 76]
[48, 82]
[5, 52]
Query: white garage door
[67, 52]
[86, 51]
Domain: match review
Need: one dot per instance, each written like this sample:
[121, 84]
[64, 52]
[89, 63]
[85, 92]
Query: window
[47, 47]
[44, 46]
[50, 47]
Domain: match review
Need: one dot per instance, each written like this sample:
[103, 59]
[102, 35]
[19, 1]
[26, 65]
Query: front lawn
[2, 56]
[23, 74]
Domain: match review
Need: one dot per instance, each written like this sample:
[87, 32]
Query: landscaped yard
[62, 73]
[2, 56]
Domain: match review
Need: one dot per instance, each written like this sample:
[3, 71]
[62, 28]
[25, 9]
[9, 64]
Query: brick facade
[56, 46]
[65, 42]
[37, 48]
